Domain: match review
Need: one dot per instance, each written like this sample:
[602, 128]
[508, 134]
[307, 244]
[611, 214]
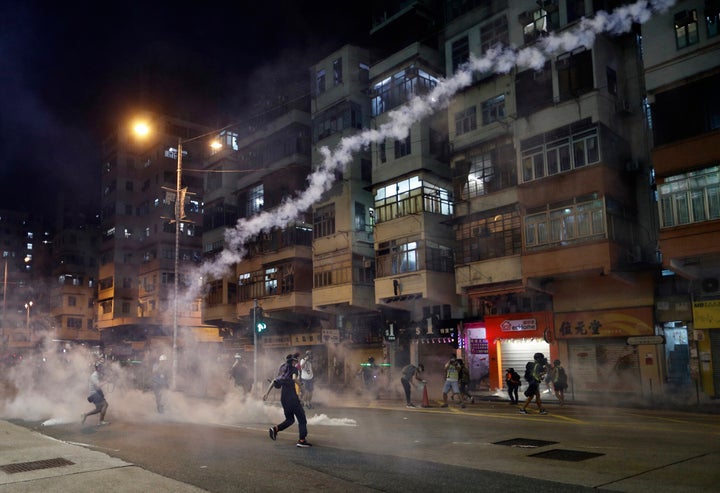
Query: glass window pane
[593, 153]
[530, 234]
[552, 161]
[698, 205]
[579, 153]
[713, 195]
[564, 158]
[539, 164]
[527, 168]
[681, 205]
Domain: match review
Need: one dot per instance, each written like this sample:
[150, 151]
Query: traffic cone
[426, 401]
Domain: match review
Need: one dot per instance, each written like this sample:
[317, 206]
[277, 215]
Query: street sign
[638, 340]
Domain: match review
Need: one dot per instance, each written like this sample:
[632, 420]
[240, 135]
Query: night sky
[70, 71]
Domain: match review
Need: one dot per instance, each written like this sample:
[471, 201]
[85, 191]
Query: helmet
[308, 352]
[163, 357]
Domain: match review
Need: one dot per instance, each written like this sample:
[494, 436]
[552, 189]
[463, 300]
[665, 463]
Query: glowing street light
[28, 305]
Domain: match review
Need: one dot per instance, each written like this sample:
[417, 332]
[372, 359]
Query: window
[402, 147]
[611, 77]
[558, 151]
[72, 301]
[324, 221]
[558, 225]
[533, 90]
[411, 196]
[575, 10]
[465, 121]
[690, 197]
[460, 52]
[539, 23]
[320, 82]
[382, 152]
[686, 28]
[337, 119]
[400, 88]
[712, 17]
[398, 256]
[497, 235]
[337, 72]
[360, 222]
[494, 33]
[493, 109]
[256, 200]
[74, 323]
[575, 73]
[481, 173]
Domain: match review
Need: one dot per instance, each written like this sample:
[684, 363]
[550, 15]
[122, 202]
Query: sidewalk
[31, 462]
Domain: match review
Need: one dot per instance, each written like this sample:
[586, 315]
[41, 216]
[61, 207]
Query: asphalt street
[382, 446]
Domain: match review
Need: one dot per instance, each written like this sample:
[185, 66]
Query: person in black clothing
[512, 380]
[285, 381]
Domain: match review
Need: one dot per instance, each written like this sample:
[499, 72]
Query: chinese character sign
[611, 323]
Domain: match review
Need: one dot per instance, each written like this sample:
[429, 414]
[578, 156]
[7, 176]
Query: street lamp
[28, 305]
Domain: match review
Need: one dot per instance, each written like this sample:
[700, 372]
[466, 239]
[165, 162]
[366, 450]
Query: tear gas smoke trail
[499, 60]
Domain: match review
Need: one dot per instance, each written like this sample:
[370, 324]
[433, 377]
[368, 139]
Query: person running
[408, 373]
[285, 381]
[307, 378]
[534, 374]
[97, 396]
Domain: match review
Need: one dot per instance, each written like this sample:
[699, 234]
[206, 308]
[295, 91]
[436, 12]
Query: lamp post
[143, 129]
[255, 332]
[178, 217]
[28, 305]
[2, 333]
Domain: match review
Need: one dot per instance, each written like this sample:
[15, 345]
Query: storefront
[505, 341]
[610, 352]
[705, 359]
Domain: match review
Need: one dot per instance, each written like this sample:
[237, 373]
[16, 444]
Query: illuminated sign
[517, 325]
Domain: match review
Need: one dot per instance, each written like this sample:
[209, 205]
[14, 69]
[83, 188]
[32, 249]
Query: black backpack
[529, 371]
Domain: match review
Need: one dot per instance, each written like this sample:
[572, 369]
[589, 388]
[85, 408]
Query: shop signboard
[623, 322]
[511, 325]
[706, 314]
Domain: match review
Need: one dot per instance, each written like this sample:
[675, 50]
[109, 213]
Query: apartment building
[553, 212]
[74, 285]
[682, 73]
[137, 262]
[19, 235]
[343, 248]
[412, 190]
[267, 163]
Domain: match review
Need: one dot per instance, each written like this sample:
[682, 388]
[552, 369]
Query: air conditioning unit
[710, 285]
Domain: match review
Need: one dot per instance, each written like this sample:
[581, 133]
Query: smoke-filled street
[379, 445]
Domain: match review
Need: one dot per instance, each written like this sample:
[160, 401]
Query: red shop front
[506, 341]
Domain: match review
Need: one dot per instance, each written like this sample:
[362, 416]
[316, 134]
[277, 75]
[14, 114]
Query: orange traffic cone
[426, 401]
